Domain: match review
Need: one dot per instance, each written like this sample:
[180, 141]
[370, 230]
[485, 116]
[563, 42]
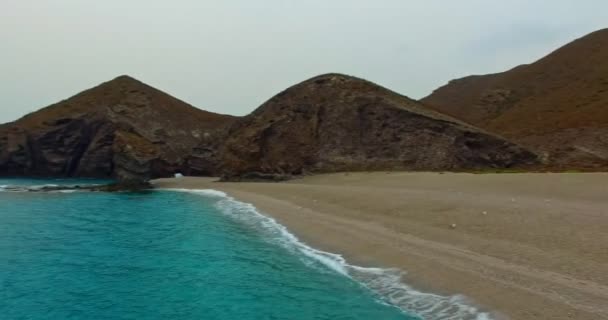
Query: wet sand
[524, 246]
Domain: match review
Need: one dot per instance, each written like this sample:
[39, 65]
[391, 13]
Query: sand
[524, 246]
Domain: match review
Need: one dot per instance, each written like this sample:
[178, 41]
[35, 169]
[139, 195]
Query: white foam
[206, 192]
[386, 283]
[26, 188]
[66, 191]
[11, 188]
[45, 187]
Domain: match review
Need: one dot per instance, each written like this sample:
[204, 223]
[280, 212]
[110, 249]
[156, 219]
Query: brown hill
[557, 106]
[122, 128]
[335, 122]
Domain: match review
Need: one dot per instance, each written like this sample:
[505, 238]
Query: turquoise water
[43, 182]
[165, 255]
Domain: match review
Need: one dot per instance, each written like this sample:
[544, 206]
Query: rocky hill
[122, 128]
[557, 106]
[336, 122]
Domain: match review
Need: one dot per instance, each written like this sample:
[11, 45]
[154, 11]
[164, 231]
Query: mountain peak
[331, 77]
[556, 105]
[335, 122]
[123, 81]
[121, 128]
[125, 78]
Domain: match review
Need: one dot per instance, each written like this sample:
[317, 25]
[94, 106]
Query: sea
[181, 254]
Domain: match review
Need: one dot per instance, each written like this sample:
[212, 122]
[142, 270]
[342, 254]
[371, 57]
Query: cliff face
[558, 106]
[336, 122]
[122, 128]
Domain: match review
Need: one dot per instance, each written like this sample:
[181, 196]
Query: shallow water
[166, 255]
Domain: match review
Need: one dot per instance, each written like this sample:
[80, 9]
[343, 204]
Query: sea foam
[386, 283]
[53, 188]
[25, 188]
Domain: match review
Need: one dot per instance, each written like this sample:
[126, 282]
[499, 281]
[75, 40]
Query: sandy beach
[524, 246]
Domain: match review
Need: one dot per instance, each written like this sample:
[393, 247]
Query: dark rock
[132, 132]
[340, 123]
[122, 128]
[123, 187]
[555, 106]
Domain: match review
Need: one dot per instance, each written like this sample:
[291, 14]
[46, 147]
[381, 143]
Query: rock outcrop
[557, 106]
[122, 128]
[337, 123]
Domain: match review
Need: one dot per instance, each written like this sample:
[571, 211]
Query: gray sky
[229, 56]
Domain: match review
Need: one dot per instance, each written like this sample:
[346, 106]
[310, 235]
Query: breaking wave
[387, 284]
[46, 188]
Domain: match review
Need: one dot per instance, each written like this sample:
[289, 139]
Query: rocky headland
[547, 115]
[123, 129]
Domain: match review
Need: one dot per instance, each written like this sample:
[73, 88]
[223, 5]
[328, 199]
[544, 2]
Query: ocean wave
[385, 283]
[46, 188]
[26, 188]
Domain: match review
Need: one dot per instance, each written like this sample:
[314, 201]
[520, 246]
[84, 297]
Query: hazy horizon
[230, 57]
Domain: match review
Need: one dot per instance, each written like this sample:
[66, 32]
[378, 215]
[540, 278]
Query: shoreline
[386, 283]
[520, 247]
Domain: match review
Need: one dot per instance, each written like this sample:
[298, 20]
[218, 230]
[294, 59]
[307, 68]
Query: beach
[523, 246]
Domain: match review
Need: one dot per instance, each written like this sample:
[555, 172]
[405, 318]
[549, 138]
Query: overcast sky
[229, 56]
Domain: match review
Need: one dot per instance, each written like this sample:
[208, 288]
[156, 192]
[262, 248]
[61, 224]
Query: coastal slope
[558, 106]
[526, 246]
[122, 128]
[335, 122]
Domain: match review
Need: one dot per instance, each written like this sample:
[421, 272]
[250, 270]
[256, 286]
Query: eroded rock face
[122, 128]
[130, 131]
[557, 106]
[338, 123]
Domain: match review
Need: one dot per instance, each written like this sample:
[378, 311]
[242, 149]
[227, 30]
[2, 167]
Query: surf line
[385, 283]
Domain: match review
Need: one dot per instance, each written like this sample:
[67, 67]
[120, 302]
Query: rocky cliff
[558, 106]
[122, 128]
[336, 122]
